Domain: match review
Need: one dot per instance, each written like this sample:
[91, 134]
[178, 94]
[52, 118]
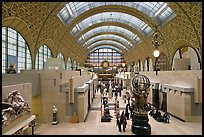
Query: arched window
[140, 65]
[147, 64]
[105, 53]
[15, 50]
[60, 56]
[186, 58]
[162, 63]
[43, 54]
[69, 64]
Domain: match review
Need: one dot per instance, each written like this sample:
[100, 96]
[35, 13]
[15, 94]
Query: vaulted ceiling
[76, 28]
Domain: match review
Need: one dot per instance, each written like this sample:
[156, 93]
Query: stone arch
[114, 8]
[148, 64]
[122, 25]
[162, 62]
[185, 43]
[50, 44]
[113, 33]
[19, 25]
[22, 27]
[107, 39]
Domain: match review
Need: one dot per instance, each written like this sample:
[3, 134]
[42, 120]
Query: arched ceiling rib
[107, 45]
[107, 42]
[108, 36]
[109, 27]
[108, 39]
[109, 33]
[113, 8]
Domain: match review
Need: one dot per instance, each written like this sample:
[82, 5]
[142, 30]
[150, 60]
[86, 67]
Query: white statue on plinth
[54, 116]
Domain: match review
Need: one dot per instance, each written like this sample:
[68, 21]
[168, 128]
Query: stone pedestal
[140, 125]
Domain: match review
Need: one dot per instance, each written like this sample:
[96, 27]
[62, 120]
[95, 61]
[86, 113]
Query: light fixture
[123, 64]
[114, 67]
[156, 52]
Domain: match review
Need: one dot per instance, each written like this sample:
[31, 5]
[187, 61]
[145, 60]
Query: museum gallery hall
[102, 68]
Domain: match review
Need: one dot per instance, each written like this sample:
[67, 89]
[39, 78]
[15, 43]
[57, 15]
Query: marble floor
[94, 126]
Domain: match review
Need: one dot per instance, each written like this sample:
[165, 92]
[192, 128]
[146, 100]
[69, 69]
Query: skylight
[154, 10]
[117, 29]
[130, 20]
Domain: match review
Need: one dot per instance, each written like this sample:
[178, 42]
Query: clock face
[105, 64]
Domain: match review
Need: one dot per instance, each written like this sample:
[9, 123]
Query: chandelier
[156, 52]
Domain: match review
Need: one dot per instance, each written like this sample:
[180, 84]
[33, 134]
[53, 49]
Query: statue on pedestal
[54, 122]
[140, 119]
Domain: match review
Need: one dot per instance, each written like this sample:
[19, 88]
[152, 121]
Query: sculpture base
[15, 123]
[105, 119]
[140, 125]
[141, 129]
[54, 123]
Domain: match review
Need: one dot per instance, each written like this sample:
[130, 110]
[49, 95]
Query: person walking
[117, 118]
[124, 121]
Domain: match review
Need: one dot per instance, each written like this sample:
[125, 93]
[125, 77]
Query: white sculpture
[7, 115]
[110, 91]
[54, 115]
[12, 106]
[17, 102]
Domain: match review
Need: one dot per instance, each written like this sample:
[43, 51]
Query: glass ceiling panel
[108, 36]
[64, 15]
[117, 29]
[106, 42]
[152, 9]
[128, 19]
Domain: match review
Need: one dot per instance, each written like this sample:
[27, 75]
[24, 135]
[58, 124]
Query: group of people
[121, 120]
[156, 114]
[104, 88]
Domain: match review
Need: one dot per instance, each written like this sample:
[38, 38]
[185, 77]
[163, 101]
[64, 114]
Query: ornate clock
[105, 64]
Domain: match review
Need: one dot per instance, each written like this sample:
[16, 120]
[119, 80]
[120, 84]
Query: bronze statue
[139, 114]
